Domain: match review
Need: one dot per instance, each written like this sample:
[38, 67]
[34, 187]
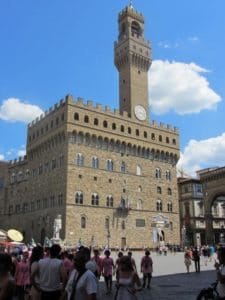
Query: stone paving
[170, 280]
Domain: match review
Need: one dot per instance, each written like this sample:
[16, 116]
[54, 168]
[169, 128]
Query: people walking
[107, 270]
[128, 280]
[52, 275]
[37, 254]
[7, 284]
[196, 259]
[82, 283]
[187, 260]
[147, 269]
[22, 276]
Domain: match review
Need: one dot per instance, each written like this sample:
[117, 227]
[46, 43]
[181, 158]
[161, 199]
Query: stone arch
[99, 142]
[105, 144]
[80, 137]
[93, 140]
[87, 139]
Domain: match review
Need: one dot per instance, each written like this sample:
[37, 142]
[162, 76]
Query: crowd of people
[50, 273]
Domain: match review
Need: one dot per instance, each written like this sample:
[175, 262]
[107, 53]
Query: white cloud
[15, 110]
[193, 39]
[21, 152]
[180, 87]
[201, 154]
[2, 157]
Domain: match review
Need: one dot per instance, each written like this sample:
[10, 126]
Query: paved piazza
[170, 280]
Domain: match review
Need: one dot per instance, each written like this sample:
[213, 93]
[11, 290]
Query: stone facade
[109, 174]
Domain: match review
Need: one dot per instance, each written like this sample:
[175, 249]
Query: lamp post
[183, 235]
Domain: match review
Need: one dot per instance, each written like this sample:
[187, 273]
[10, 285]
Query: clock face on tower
[140, 112]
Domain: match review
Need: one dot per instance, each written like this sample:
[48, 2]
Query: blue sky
[55, 47]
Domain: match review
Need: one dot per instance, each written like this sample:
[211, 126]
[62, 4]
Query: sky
[57, 47]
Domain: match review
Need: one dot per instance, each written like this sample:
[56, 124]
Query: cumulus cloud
[15, 110]
[201, 154]
[2, 157]
[21, 152]
[180, 87]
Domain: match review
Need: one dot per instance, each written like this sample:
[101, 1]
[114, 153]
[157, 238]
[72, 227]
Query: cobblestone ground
[170, 280]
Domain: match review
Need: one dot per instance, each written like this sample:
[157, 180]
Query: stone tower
[132, 57]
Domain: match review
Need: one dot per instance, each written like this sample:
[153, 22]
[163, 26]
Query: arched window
[107, 223]
[86, 119]
[169, 191]
[139, 188]
[157, 173]
[109, 201]
[83, 222]
[138, 171]
[109, 165]
[159, 205]
[80, 160]
[13, 178]
[145, 134]
[139, 204]
[160, 138]
[122, 128]
[167, 140]
[137, 132]
[95, 199]
[123, 167]
[76, 116]
[79, 197]
[123, 225]
[129, 130]
[135, 29]
[174, 141]
[168, 175]
[114, 126]
[153, 136]
[159, 190]
[95, 162]
[170, 206]
[105, 124]
[96, 121]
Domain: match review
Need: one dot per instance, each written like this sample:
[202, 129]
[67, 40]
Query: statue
[57, 227]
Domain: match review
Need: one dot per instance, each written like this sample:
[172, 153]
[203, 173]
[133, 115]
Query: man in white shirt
[82, 284]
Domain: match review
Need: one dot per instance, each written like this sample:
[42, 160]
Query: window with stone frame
[96, 122]
[109, 165]
[107, 223]
[86, 119]
[95, 162]
[139, 204]
[159, 205]
[109, 201]
[52, 200]
[122, 128]
[123, 167]
[105, 124]
[168, 175]
[138, 171]
[80, 160]
[76, 116]
[169, 207]
[158, 173]
[60, 199]
[83, 222]
[159, 190]
[95, 199]
[79, 197]
[123, 225]
[114, 126]
[169, 191]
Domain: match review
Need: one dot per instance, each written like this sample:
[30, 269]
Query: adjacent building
[202, 207]
[98, 176]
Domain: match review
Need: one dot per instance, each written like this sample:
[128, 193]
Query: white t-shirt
[49, 274]
[221, 286]
[86, 285]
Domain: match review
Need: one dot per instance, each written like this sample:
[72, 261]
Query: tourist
[98, 261]
[187, 260]
[82, 283]
[129, 254]
[37, 254]
[221, 273]
[196, 259]
[107, 270]
[147, 269]
[52, 275]
[117, 264]
[22, 276]
[7, 284]
[128, 280]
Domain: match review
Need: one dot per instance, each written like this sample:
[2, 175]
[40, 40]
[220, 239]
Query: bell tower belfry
[132, 57]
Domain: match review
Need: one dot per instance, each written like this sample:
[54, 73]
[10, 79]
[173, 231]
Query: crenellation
[116, 112]
[107, 109]
[80, 101]
[99, 106]
[90, 103]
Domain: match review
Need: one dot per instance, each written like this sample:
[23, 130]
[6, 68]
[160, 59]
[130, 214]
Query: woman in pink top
[98, 261]
[146, 268]
[22, 276]
[107, 271]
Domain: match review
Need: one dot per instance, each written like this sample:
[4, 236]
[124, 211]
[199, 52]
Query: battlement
[129, 11]
[17, 161]
[52, 109]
